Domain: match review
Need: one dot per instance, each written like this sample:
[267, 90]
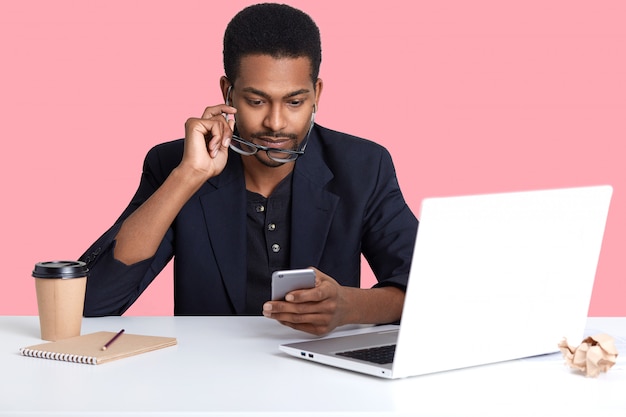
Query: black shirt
[268, 224]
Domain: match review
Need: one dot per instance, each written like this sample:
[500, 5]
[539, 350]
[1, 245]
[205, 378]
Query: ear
[319, 84]
[226, 87]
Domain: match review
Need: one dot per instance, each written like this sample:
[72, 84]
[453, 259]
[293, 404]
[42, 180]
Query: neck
[262, 179]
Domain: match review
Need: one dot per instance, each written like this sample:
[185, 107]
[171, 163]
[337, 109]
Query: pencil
[112, 340]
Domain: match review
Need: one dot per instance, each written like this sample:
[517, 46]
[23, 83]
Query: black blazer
[345, 201]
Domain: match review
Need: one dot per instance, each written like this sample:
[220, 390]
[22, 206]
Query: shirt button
[260, 208]
[271, 227]
[275, 248]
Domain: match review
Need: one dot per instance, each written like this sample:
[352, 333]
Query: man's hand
[321, 309]
[207, 140]
[317, 310]
[205, 155]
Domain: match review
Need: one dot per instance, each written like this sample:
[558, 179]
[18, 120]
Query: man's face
[275, 99]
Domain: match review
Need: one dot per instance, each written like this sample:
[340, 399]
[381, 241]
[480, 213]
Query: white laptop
[494, 277]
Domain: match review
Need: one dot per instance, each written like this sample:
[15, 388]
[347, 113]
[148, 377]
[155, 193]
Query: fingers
[212, 130]
[219, 132]
[220, 109]
[287, 309]
[311, 310]
[206, 142]
[220, 137]
[315, 323]
[212, 133]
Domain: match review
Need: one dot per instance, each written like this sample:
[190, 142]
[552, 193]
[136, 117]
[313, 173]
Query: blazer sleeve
[390, 228]
[112, 286]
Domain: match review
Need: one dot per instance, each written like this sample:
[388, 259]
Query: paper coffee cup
[60, 287]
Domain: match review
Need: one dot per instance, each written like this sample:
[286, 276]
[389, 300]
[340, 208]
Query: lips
[274, 142]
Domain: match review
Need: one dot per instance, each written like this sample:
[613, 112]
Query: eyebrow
[267, 96]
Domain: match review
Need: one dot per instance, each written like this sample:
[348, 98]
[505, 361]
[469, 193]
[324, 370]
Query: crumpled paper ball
[594, 355]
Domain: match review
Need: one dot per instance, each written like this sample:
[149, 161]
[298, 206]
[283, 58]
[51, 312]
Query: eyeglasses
[246, 148]
[275, 154]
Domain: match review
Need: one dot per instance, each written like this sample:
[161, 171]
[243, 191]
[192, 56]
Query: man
[256, 186]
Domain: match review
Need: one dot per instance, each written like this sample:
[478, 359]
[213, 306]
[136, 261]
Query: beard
[265, 160]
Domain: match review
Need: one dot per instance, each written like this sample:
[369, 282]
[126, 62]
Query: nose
[275, 120]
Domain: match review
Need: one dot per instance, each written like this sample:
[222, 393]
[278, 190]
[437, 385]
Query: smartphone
[284, 282]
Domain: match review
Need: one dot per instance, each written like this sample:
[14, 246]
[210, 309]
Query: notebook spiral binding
[58, 356]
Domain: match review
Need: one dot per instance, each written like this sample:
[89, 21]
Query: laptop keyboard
[379, 354]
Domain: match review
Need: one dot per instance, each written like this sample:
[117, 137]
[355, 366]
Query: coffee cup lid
[60, 269]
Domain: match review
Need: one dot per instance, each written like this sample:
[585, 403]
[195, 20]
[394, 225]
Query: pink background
[469, 96]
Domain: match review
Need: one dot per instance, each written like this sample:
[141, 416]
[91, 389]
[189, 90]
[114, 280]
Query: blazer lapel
[224, 206]
[313, 207]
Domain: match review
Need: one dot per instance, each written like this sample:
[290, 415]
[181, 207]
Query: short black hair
[277, 30]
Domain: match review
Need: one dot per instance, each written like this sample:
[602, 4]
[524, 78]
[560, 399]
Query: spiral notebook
[88, 348]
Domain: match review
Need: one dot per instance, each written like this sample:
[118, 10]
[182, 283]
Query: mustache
[274, 135]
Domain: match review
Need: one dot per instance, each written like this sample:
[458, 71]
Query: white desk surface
[231, 366]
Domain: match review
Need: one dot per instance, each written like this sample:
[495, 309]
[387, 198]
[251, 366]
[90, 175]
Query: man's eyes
[291, 103]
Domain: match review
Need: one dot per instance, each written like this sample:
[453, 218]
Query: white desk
[231, 366]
